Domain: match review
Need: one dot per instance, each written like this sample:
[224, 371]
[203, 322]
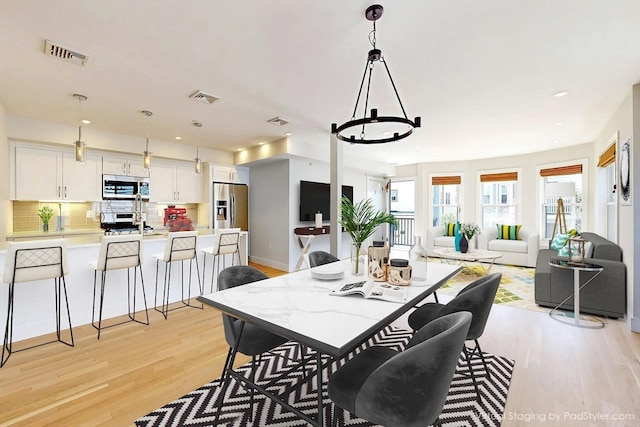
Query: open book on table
[371, 289]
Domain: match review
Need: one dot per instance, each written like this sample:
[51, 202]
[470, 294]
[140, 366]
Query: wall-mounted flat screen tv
[315, 197]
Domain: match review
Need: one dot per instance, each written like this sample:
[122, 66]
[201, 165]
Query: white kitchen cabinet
[175, 182]
[124, 165]
[43, 173]
[231, 174]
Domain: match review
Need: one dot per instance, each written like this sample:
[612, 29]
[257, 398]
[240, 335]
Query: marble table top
[299, 307]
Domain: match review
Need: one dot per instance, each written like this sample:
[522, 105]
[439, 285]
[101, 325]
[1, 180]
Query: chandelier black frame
[373, 13]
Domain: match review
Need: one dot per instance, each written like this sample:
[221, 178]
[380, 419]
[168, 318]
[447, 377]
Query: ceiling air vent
[278, 121]
[58, 51]
[203, 97]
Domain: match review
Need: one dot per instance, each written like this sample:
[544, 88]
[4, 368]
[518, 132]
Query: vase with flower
[467, 231]
[360, 221]
[45, 213]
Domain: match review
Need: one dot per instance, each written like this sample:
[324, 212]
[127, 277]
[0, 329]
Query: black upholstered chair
[317, 258]
[476, 298]
[407, 388]
[253, 340]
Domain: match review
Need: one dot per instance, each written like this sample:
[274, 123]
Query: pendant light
[197, 161]
[373, 13]
[80, 144]
[146, 156]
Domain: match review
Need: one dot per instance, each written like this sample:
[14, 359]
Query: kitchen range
[122, 217]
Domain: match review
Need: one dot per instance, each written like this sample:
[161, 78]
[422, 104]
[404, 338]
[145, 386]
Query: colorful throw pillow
[509, 232]
[559, 240]
[450, 229]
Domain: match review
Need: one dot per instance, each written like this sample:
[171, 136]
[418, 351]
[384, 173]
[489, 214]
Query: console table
[307, 233]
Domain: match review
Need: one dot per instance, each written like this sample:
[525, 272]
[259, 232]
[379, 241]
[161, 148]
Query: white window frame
[479, 192]
[542, 200]
[431, 194]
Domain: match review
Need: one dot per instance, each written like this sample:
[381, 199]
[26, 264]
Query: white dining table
[298, 307]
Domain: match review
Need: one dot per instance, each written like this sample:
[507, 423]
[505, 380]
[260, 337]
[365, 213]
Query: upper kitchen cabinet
[174, 182]
[43, 173]
[230, 174]
[123, 165]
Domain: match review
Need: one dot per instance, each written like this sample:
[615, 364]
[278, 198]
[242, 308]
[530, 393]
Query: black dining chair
[403, 389]
[476, 298]
[254, 341]
[317, 258]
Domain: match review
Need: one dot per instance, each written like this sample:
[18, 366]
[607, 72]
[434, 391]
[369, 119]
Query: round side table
[577, 268]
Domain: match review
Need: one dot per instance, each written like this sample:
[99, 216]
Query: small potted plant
[360, 222]
[45, 213]
[467, 231]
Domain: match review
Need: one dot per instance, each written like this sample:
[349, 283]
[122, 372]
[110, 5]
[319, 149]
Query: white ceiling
[481, 74]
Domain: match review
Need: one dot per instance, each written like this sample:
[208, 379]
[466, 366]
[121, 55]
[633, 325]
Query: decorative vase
[357, 260]
[45, 226]
[418, 260]
[457, 236]
[464, 244]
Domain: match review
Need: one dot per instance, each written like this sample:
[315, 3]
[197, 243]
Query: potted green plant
[45, 213]
[360, 221]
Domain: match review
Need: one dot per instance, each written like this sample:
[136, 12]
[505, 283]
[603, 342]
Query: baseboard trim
[635, 324]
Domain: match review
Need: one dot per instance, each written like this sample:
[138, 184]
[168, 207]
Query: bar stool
[226, 241]
[116, 253]
[28, 262]
[180, 246]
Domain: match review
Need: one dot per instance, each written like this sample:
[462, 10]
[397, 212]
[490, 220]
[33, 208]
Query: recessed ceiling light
[561, 94]
[240, 149]
[288, 134]
[86, 122]
[556, 141]
[177, 138]
[261, 142]
[558, 123]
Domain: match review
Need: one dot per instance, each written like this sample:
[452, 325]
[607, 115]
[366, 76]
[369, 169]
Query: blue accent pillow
[559, 241]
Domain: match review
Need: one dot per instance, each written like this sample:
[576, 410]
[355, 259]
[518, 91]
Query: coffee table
[485, 259]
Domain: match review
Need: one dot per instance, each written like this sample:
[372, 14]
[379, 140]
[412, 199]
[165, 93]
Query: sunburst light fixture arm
[373, 13]
[197, 162]
[146, 155]
[80, 145]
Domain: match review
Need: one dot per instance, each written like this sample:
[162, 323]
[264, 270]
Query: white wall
[527, 166]
[626, 121]
[6, 218]
[274, 196]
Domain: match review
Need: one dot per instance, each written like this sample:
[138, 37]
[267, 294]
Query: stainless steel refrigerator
[230, 206]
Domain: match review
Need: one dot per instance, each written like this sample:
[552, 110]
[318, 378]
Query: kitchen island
[34, 306]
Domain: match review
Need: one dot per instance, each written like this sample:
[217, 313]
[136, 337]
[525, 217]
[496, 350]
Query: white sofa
[522, 252]
[436, 239]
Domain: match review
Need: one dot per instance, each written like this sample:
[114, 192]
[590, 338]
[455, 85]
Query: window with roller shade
[499, 198]
[445, 199]
[572, 204]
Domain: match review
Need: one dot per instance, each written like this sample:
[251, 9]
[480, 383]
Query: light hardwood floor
[567, 373]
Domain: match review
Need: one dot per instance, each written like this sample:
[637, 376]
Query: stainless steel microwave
[120, 187]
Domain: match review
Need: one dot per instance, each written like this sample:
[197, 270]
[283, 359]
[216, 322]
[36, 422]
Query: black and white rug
[198, 408]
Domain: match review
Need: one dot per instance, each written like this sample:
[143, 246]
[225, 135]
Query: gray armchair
[476, 298]
[407, 388]
[317, 258]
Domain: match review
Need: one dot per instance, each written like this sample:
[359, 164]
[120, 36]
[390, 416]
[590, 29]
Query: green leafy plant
[45, 213]
[360, 221]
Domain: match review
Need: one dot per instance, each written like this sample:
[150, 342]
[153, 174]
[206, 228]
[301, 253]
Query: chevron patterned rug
[198, 408]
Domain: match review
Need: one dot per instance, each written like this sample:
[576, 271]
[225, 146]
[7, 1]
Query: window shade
[446, 180]
[564, 170]
[491, 177]
[608, 157]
